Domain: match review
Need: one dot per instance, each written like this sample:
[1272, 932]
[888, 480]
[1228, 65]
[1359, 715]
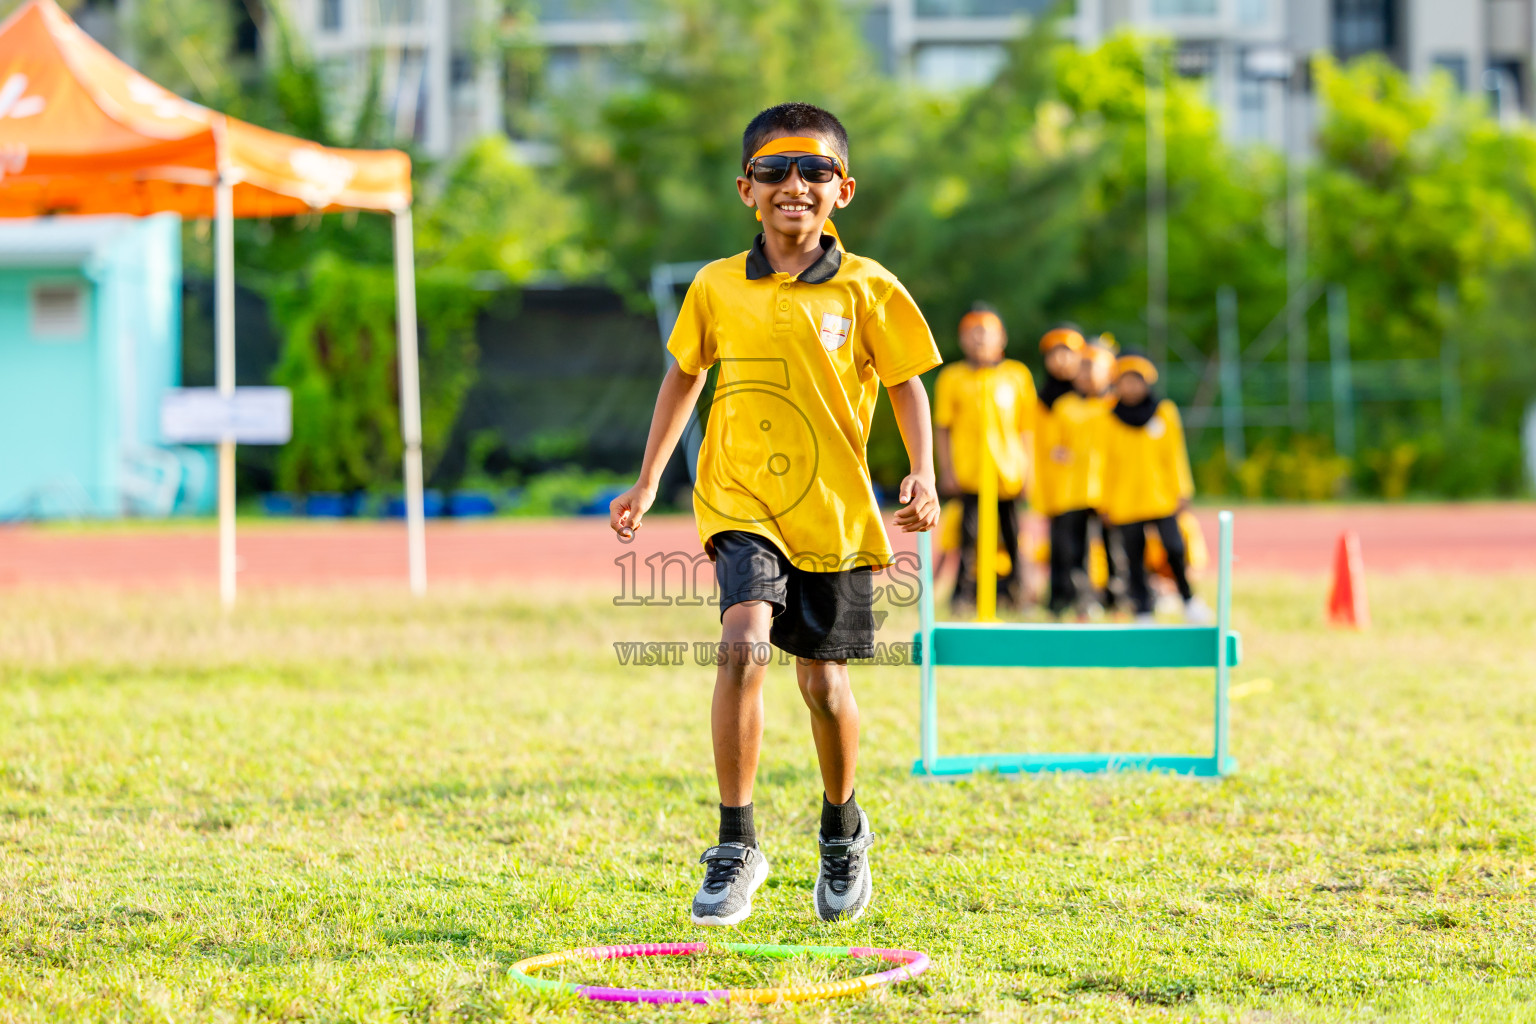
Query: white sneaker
[1198, 613]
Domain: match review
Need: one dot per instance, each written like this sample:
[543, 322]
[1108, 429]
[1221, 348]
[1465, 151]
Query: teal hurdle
[1015, 645]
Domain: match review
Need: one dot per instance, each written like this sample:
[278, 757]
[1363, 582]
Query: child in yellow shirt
[984, 400]
[1147, 483]
[1094, 373]
[1067, 459]
[804, 334]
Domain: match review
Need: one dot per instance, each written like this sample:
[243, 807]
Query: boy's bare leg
[843, 883]
[736, 715]
[834, 723]
[736, 865]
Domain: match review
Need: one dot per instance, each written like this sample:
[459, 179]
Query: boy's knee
[747, 622]
[824, 691]
[744, 645]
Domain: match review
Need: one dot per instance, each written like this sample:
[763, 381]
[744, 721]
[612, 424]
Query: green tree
[495, 214]
[1225, 212]
[1415, 189]
[654, 162]
[186, 46]
[1420, 191]
[339, 358]
[987, 199]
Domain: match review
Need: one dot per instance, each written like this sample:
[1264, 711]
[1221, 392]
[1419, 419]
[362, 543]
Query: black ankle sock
[736, 825]
[839, 821]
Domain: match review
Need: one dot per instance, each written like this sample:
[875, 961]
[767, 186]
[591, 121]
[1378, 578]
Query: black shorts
[825, 616]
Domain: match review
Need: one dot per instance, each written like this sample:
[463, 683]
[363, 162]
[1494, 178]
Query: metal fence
[1240, 386]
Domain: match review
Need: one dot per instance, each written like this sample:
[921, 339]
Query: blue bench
[966, 644]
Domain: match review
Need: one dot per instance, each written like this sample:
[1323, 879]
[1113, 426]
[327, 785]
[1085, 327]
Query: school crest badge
[834, 331]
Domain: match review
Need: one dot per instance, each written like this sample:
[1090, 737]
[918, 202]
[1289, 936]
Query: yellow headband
[800, 144]
[1061, 336]
[980, 318]
[1136, 364]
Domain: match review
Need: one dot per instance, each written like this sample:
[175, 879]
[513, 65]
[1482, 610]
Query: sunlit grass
[345, 805]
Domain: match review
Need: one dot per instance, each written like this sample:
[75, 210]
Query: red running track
[1481, 538]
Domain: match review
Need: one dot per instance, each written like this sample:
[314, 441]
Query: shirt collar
[824, 269]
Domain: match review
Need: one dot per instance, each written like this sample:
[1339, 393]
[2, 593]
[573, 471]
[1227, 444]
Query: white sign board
[203, 416]
[1268, 62]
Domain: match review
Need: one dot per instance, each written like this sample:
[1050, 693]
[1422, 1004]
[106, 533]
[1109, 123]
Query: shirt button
[783, 305]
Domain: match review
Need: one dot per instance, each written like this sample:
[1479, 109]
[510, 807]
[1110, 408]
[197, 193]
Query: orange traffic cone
[1346, 599]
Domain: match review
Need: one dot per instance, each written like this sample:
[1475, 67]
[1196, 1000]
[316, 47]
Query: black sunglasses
[814, 168]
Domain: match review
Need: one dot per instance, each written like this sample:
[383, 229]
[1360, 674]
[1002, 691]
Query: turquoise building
[90, 338]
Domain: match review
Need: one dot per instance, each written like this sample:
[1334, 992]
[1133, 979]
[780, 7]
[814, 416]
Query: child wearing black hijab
[1147, 482]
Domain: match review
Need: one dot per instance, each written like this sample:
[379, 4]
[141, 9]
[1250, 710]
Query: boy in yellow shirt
[804, 334]
[1147, 482]
[984, 400]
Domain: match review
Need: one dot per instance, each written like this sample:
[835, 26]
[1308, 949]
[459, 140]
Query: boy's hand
[948, 483]
[921, 499]
[626, 511]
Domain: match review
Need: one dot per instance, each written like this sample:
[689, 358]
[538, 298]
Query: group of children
[804, 333]
[1093, 450]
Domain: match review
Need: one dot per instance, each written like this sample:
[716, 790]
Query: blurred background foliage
[1028, 193]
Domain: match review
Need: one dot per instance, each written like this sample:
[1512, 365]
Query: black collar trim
[824, 269]
[1054, 388]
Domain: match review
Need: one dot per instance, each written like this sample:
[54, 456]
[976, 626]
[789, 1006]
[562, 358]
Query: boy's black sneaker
[734, 873]
[844, 885]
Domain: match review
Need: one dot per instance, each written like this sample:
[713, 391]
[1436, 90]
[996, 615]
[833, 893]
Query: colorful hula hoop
[912, 964]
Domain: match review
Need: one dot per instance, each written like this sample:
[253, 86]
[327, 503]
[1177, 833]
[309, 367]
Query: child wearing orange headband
[986, 400]
[803, 334]
[1088, 408]
[1147, 483]
[1067, 457]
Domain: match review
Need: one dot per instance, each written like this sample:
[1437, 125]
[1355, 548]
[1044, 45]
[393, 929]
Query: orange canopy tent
[81, 132]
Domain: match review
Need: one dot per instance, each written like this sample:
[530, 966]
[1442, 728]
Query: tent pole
[224, 324]
[410, 398]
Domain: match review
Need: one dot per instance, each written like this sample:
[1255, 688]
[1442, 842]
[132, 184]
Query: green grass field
[347, 806]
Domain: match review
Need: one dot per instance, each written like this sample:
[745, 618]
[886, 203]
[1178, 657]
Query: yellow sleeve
[944, 398]
[1179, 451]
[693, 343]
[898, 339]
[1028, 402]
[1039, 419]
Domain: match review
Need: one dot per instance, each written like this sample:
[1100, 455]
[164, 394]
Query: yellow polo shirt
[997, 402]
[1069, 454]
[801, 358]
[1146, 468]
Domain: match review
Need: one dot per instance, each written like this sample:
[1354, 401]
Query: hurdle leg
[1223, 629]
[928, 706]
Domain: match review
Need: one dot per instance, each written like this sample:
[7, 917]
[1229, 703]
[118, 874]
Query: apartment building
[441, 81]
[1247, 51]
[443, 84]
